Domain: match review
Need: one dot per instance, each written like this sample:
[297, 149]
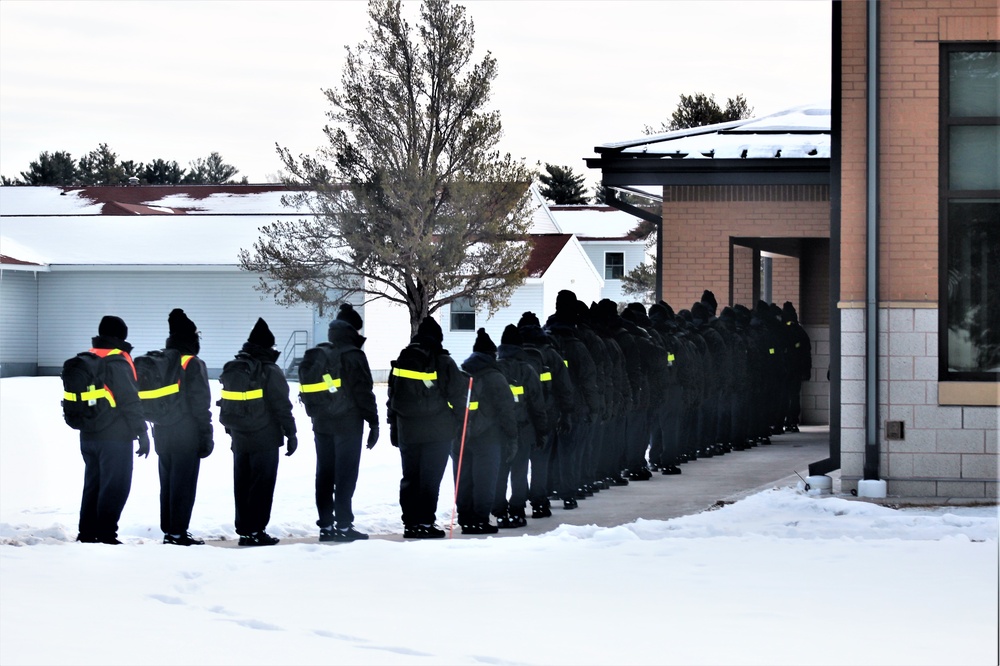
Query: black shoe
[109, 541]
[570, 504]
[182, 540]
[511, 521]
[87, 538]
[541, 511]
[326, 534]
[791, 428]
[619, 481]
[349, 534]
[258, 539]
[671, 469]
[422, 532]
[479, 528]
[581, 494]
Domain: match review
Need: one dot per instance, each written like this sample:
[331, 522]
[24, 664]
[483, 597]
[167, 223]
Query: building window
[463, 314]
[969, 339]
[614, 265]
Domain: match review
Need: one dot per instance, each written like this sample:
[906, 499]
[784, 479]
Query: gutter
[872, 453]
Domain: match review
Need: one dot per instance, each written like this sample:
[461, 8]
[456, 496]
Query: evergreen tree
[101, 167]
[211, 170]
[161, 172]
[413, 202]
[562, 186]
[700, 109]
[55, 169]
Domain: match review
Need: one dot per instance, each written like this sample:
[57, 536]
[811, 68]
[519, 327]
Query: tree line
[102, 166]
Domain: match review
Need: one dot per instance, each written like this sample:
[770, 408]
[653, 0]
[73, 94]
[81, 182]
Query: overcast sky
[179, 80]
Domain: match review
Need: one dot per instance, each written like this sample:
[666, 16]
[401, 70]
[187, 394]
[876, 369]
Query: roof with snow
[788, 147]
[591, 223]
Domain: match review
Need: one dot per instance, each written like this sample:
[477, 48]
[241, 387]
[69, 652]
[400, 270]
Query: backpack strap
[91, 395]
[185, 359]
[328, 384]
[428, 378]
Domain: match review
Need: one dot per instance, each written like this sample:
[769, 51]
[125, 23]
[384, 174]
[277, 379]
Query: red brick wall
[698, 222]
[908, 139]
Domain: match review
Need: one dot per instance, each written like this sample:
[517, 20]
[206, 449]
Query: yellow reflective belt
[517, 390]
[328, 384]
[160, 392]
[91, 394]
[771, 350]
[670, 358]
[256, 394]
[545, 377]
[426, 377]
[473, 405]
[566, 363]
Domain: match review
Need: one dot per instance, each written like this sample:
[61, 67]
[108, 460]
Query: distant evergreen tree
[161, 172]
[210, 171]
[59, 168]
[10, 182]
[563, 187]
[132, 168]
[101, 167]
[700, 109]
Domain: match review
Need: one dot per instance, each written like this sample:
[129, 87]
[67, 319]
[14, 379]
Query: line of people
[592, 398]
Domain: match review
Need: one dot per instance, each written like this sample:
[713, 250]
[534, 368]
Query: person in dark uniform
[107, 453]
[182, 443]
[800, 365]
[427, 395]
[256, 453]
[338, 437]
[491, 437]
[559, 404]
[522, 369]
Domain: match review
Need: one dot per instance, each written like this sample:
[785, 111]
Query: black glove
[565, 423]
[372, 434]
[292, 444]
[393, 437]
[143, 450]
[206, 447]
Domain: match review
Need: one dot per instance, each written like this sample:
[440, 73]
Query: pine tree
[412, 201]
[101, 167]
[161, 172]
[59, 168]
[700, 109]
[562, 186]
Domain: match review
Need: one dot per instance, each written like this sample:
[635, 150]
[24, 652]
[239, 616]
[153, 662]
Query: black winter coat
[280, 422]
[530, 404]
[124, 386]
[442, 424]
[495, 407]
[192, 431]
[355, 378]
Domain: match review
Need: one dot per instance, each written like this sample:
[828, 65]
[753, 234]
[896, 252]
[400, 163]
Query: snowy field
[777, 578]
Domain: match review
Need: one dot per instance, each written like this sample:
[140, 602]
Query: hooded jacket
[355, 376]
[280, 423]
[122, 381]
[193, 431]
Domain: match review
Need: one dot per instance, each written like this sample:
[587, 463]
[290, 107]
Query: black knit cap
[566, 302]
[788, 312]
[483, 343]
[666, 305]
[349, 314]
[261, 335]
[181, 328]
[529, 319]
[511, 336]
[430, 329]
[112, 327]
[708, 298]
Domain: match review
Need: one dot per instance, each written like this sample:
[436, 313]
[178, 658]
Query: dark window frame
[608, 267]
[459, 320]
[946, 196]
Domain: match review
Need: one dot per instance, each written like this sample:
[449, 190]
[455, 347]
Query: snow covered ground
[777, 578]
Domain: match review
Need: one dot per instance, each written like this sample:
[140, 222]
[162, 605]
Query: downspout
[871, 460]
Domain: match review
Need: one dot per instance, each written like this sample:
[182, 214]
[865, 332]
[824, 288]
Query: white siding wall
[222, 303]
[387, 327]
[459, 343]
[635, 254]
[572, 270]
[19, 331]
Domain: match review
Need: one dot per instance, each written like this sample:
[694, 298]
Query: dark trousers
[538, 490]
[476, 477]
[670, 418]
[568, 449]
[107, 480]
[338, 456]
[424, 465]
[178, 486]
[636, 439]
[516, 471]
[254, 476]
[794, 402]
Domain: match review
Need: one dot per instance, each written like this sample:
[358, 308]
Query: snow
[780, 577]
[594, 222]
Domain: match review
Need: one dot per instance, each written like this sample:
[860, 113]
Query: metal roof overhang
[622, 170]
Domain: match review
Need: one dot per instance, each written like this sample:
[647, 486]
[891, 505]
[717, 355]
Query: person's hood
[108, 342]
[478, 363]
[342, 333]
[265, 354]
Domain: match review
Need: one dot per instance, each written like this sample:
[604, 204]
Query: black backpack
[88, 404]
[416, 389]
[320, 389]
[242, 405]
[159, 372]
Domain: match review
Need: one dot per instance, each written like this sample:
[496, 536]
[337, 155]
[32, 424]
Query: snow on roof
[592, 222]
[799, 132]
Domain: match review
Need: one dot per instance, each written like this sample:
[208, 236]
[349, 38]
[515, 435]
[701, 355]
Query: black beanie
[261, 335]
[529, 319]
[431, 330]
[349, 314]
[483, 343]
[511, 336]
[708, 298]
[112, 327]
[566, 302]
[670, 310]
[181, 328]
[788, 312]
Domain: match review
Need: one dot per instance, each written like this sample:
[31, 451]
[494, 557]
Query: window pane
[974, 84]
[974, 157]
[463, 315]
[614, 265]
[974, 286]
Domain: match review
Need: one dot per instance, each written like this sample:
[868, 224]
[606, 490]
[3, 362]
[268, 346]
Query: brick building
[879, 217]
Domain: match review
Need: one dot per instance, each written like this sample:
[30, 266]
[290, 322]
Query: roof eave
[665, 171]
